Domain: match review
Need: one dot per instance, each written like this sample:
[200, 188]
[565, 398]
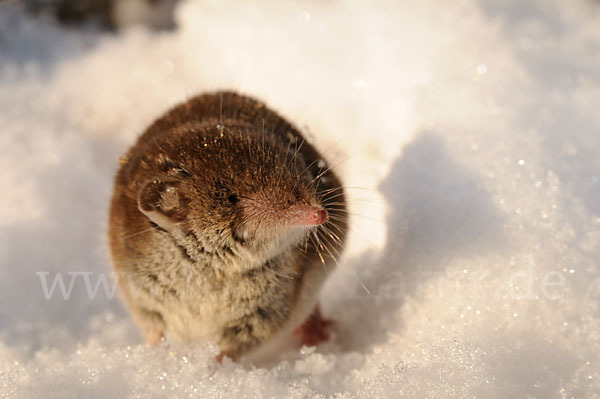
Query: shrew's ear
[162, 202]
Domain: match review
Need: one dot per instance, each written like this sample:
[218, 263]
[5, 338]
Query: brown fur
[198, 229]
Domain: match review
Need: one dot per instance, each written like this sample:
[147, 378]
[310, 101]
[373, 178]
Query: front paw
[315, 329]
[153, 336]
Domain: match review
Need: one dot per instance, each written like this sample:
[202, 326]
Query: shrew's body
[220, 227]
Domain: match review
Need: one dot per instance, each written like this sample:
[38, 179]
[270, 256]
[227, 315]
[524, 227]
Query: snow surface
[467, 131]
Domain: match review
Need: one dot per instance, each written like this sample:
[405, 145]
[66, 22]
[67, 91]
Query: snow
[468, 135]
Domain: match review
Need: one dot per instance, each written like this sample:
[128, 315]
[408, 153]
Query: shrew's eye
[233, 199]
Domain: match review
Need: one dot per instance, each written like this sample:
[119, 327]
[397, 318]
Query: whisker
[354, 272]
[322, 153]
[127, 236]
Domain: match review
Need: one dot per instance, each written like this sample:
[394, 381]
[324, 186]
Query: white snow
[468, 132]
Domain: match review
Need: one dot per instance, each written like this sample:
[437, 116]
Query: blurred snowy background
[468, 133]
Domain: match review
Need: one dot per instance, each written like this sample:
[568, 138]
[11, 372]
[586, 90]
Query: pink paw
[153, 336]
[315, 329]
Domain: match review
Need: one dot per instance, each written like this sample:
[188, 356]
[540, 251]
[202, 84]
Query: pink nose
[308, 216]
[319, 217]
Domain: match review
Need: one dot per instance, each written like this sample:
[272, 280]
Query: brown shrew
[224, 224]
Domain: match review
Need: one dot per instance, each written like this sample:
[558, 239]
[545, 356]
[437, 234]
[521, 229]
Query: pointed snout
[319, 216]
[308, 216]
